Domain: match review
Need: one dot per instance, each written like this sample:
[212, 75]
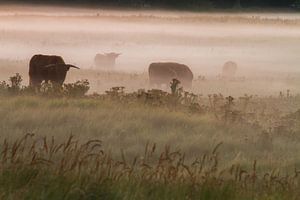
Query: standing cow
[47, 68]
[229, 69]
[163, 73]
[106, 60]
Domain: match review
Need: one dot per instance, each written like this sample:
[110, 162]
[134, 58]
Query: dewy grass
[262, 135]
[35, 168]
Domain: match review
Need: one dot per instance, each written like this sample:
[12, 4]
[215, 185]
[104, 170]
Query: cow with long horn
[48, 68]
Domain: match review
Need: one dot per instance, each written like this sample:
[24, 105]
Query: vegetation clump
[77, 89]
[247, 109]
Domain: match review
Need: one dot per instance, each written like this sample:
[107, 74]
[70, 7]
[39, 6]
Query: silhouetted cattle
[229, 69]
[47, 68]
[163, 73]
[106, 60]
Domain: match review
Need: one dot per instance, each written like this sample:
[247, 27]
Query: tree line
[178, 3]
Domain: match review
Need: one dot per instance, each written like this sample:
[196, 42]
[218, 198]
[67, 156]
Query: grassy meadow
[147, 145]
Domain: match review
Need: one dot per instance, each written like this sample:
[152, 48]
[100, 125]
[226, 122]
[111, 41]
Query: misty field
[258, 42]
[264, 45]
[131, 124]
[147, 145]
[107, 134]
[261, 83]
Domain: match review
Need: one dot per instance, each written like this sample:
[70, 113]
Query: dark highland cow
[47, 68]
[163, 73]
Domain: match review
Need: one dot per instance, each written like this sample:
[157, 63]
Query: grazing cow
[229, 69]
[163, 73]
[47, 68]
[106, 60]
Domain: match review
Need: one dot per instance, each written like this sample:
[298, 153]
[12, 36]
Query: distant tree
[280, 3]
[267, 3]
[177, 3]
[224, 3]
[238, 4]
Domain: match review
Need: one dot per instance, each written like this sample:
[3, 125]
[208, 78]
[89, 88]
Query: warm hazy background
[265, 45]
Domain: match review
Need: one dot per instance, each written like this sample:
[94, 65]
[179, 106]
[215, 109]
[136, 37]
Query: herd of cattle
[54, 69]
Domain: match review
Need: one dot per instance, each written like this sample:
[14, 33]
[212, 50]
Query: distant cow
[106, 60]
[229, 69]
[47, 68]
[163, 73]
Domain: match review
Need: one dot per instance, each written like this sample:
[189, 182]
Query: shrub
[174, 85]
[15, 83]
[3, 87]
[49, 89]
[77, 89]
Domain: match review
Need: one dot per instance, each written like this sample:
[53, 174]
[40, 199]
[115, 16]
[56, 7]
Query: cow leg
[34, 82]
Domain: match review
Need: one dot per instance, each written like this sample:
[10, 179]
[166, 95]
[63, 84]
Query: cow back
[38, 61]
[164, 72]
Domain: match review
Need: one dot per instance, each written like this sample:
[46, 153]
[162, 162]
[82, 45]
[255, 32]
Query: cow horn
[53, 65]
[73, 66]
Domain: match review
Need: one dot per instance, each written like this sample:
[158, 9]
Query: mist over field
[203, 41]
[263, 45]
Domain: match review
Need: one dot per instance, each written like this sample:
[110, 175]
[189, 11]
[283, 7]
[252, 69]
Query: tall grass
[129, 126]
[45, 168]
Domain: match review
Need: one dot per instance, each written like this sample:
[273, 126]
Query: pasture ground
[106, 147]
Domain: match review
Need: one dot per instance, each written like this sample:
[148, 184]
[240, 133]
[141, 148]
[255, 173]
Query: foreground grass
[130, 126]
[34, 184]
[26, 185]
[33, 168]
[134, 151]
